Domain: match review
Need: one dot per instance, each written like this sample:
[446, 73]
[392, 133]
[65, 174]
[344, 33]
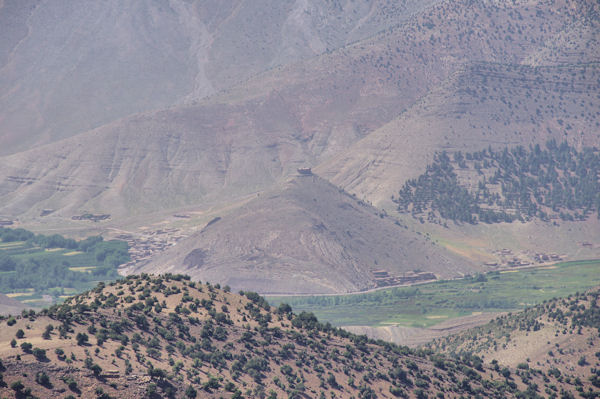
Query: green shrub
[82, 339]
[42, 379]
[40, 354]
[26, 347]
[17, 386]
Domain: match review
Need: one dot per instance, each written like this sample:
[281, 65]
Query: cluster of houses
[384, 279]
[92, 217]
[507, 258]
[144, 246]
[543, 258]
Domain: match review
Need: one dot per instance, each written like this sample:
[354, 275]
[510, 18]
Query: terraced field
[40, 270]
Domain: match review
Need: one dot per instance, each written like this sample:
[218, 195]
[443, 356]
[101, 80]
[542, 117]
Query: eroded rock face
[68, 68]
[250, 136]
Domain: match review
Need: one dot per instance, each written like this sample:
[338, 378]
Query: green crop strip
[428, 304]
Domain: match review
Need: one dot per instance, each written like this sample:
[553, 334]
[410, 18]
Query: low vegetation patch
[428, 304]
[518, 183]
[36, 265]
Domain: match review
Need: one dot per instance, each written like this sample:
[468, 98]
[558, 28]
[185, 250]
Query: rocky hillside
[306, 237]
[557, 338]
[169, 337]
[482, 105]
[65, 69]
[551, 182]
[250, 136]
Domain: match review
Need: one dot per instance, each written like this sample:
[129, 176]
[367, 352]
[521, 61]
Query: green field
[428, 304]
[38, 269]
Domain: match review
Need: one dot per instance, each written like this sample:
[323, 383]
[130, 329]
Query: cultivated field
[429, 304]
[40, 270]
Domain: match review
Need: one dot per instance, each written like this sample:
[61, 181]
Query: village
[145, 245]
[384, 279]
[509, 259]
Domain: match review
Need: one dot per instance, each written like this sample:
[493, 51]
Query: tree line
[555, 181]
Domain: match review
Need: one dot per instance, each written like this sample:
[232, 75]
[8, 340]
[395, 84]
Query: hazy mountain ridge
[187, 155]
[117, 59]
[313, 112]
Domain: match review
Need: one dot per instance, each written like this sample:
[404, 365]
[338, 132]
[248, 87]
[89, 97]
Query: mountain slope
[482, 105]
[248, 137]
[548, 182]
[65, 69]
[577, 43]
[308, 237]
[168, 337]
[558, 337]
[186, 155]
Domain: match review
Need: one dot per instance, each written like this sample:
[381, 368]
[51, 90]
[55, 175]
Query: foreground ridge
[558, 338]
[166, 336]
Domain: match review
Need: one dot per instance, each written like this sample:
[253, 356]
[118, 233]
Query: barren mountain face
[147, 108]
[250, 136]
[308, 237]
[481, 105]
[68, 67]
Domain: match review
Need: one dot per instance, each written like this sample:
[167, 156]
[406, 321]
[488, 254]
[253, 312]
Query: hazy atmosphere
[299, 199]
